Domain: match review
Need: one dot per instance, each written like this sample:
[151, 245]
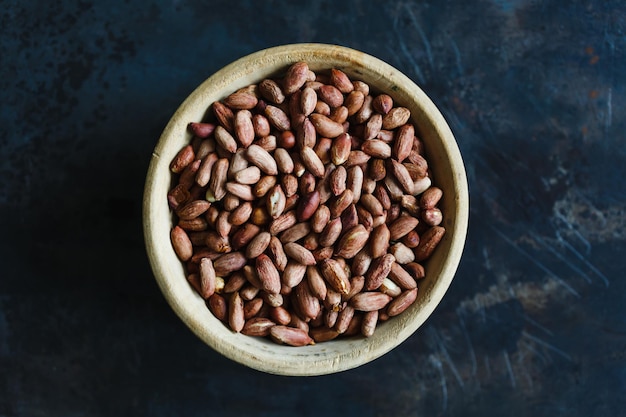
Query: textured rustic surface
[532, 325]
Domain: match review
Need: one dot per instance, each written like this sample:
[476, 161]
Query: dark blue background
[534, 323]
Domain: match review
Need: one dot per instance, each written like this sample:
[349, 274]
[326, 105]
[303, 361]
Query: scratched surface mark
[533, 108]
[535, 321]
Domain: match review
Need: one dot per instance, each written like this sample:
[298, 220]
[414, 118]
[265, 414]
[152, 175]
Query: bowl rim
[323, 358]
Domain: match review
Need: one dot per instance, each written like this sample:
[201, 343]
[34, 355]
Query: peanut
[304, 208]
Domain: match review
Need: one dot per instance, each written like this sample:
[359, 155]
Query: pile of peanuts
[304, 208]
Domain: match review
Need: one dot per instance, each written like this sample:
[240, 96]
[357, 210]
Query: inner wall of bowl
[330, 356]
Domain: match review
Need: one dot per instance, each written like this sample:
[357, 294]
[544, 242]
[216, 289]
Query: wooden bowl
[340, 354]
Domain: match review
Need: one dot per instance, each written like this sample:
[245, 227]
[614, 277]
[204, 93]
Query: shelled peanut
[304, 208]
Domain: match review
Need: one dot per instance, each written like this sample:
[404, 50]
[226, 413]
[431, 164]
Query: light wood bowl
[338, 355]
